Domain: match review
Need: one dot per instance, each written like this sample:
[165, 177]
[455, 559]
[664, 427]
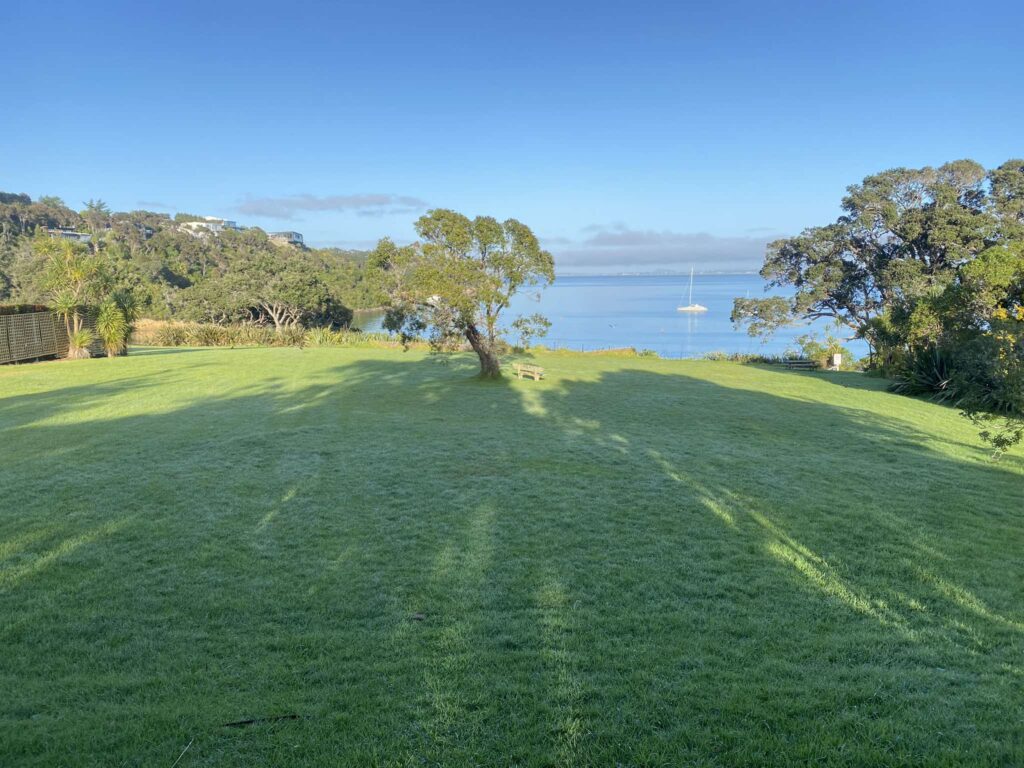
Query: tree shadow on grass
[846, 379]
[643, 567]
[165, 351]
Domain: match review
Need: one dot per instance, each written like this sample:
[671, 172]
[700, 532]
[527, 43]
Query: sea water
[613, 311]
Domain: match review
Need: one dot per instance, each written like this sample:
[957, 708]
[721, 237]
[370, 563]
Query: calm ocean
[609, 311]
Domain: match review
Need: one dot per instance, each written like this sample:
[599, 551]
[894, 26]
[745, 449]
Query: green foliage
[926, 371]
[990, 377]
[762, 317]
[245, 277]
[456, 281]
[232, 277]
[20, 217]
[820, 350]
[64, 304]
[74, 277]
[743, 357]
[79, 342]
[344, 273]
[164, 334]
[113, 328]
[902, 237]
[22, 309]
[285, 291]
[1008, 191]
[979, 322]
[167, 335]
[326, 337]
[321, 337]
[207, 335]
[96, 215]
[927, 265]
[115, 320]
[530, 327]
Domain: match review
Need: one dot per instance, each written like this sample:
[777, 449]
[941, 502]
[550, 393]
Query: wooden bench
[523, 370]
[800, 365]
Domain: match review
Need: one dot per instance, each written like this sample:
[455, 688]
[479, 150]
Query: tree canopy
[926, 266]
[903, 234]
[174, 273]
[456, 281]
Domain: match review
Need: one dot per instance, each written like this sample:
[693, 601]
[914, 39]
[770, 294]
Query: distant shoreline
[657, 274]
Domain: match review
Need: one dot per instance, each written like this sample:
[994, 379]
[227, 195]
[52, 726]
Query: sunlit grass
[634, 561]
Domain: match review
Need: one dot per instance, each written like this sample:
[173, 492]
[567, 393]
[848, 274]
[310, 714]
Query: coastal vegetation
[927, 266]
[456, 282]
[171, 333]
[633, 561]
[181, 274]
[79, 283]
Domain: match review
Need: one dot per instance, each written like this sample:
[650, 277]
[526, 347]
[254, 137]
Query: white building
[212, 224]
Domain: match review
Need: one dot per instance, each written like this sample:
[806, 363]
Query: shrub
[206, 335]
[988, 376]
[322, 337]
[176, 334]
[811, 348]
[744, 357]
[78, 344]
[925, 371]
[251, 336]
[113, 328]
[170, 335]
[21, 309]
[290, 336]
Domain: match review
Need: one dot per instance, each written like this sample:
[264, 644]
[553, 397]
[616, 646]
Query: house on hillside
[291, 238]
[66, 233]
[212, 224]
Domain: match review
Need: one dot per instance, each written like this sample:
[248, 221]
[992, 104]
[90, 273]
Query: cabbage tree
[74, 278]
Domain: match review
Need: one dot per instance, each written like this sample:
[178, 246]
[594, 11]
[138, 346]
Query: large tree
[284, 291]
[978, 325]
[903, 234]
[96, 215]
[459, 278]
[927, 265]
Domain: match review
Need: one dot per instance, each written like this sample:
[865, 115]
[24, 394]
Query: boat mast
[691, 286]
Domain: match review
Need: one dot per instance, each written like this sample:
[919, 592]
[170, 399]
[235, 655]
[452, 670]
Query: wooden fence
[35, 335]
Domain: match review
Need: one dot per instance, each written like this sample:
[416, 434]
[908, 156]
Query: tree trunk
[274, 315]
[490, 366]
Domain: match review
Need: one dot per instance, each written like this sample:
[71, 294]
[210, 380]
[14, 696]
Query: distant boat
[691, 307]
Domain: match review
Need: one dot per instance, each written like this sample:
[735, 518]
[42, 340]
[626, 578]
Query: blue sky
[635, 135]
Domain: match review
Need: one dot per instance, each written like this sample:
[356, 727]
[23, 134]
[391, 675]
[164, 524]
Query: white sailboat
[691, 307]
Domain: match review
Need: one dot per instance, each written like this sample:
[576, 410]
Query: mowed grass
[633, 562]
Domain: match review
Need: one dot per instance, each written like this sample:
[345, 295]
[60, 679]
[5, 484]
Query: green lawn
[636, 562]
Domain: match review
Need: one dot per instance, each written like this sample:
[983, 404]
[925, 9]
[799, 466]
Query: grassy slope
[642, 561]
